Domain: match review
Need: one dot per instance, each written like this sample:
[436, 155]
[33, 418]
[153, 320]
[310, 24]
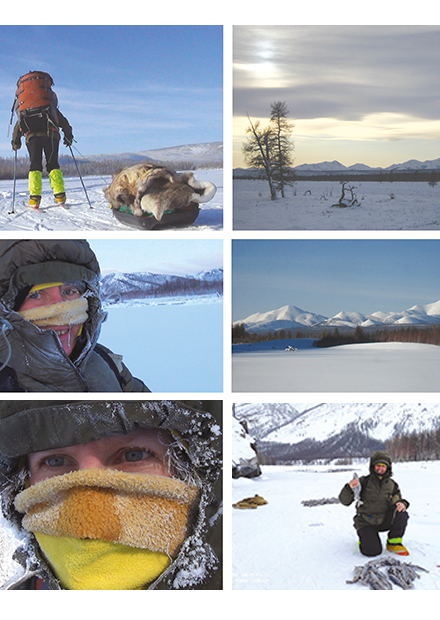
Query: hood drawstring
[6, 325]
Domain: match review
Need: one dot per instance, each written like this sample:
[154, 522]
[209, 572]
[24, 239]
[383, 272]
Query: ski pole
[79, 174]
[93, 167]
[15, 180]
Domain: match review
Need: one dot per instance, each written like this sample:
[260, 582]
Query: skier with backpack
[40, 121]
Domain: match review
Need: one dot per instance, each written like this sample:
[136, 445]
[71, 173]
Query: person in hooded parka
[50, 321]
[113, 495]
[380, 507]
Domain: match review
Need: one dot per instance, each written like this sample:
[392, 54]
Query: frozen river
[376, 367]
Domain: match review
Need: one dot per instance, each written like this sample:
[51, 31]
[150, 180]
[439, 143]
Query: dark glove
[16, 145]
[68, 138]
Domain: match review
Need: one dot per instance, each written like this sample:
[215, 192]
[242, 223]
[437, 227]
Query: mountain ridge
[289, 431]
[292, 317]
[335, 166]
[198, 153]
[117, 286]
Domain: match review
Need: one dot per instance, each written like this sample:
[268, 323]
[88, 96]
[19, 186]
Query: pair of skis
[45, 209]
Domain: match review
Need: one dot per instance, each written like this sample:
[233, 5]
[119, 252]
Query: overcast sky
[122, 88]
[327, 276]
[357, 94]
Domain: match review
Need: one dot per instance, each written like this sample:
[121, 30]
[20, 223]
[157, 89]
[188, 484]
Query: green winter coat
[31, 426]
[34, 358]
[378, 495]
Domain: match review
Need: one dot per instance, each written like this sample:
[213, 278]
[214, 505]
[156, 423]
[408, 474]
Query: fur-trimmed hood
[381, 457]
[36, 355]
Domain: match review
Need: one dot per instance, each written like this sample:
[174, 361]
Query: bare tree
[348, 197]
[282, 159]
[258, 150]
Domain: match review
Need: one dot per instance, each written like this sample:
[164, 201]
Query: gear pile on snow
[250, 502]
[394, 571]
[320, 502]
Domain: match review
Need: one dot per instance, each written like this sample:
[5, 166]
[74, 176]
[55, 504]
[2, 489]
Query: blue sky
[170, 256]
[122, 88]
[327, 276]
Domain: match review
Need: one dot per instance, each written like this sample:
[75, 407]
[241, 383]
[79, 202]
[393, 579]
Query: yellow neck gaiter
[124, 527]
[101, 565]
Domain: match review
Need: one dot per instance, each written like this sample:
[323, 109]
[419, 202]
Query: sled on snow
[177, 217]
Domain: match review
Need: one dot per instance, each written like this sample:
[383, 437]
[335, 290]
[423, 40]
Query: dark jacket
[378, 494]
[41, 127]
[34, 358]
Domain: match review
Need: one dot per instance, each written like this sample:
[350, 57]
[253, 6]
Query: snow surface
[172, 347]
[241, 441]
[384, 206]
[10, 539]
[372, 367]
[287, 546]
[80, 217]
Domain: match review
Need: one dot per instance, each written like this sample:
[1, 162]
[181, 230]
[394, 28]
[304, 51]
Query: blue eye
[55, 461]
[70, 292]
[134, 455]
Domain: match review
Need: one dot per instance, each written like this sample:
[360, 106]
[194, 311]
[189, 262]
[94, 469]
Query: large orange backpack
[35, 99]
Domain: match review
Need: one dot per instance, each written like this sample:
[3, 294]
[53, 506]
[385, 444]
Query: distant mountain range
[292, 317]
[288, 431]
[334, 167]
[201, 153]
[118, 287]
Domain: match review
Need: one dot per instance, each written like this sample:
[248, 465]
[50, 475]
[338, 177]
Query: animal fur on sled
[151, 188]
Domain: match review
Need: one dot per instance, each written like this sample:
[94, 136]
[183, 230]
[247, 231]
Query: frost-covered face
[46, 296]
[141, 451]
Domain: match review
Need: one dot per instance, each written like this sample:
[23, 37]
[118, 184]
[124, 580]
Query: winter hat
[380, 457]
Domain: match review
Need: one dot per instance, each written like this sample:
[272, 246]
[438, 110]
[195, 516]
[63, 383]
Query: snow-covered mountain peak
[292, 317]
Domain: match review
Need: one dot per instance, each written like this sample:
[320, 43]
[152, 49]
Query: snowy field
[287, 546]
[372, 367]
[172, 347]
[384, 206]
[79, 216]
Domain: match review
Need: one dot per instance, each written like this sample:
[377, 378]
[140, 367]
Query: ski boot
[60, 198]
[34, 201]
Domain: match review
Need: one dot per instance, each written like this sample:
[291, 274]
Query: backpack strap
[102, 352]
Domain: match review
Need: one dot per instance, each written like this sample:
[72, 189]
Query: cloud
[343, 72]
